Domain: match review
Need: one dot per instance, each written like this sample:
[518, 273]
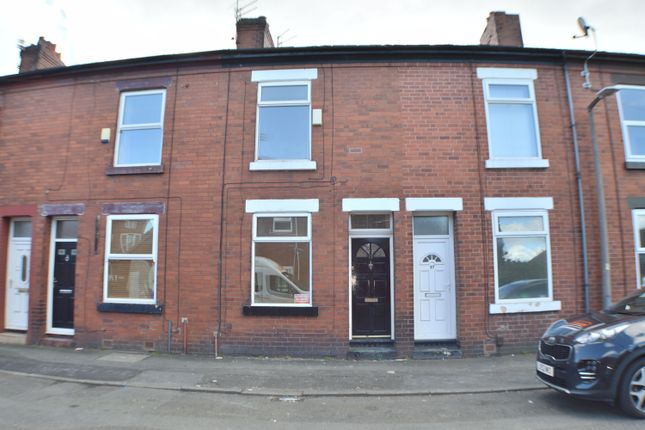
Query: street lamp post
[600, 196]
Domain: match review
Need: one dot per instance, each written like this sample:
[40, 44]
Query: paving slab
[274, 376]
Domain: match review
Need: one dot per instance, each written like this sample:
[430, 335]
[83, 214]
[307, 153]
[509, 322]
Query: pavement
[279, 377]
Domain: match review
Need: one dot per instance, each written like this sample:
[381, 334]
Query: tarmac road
[34, 403]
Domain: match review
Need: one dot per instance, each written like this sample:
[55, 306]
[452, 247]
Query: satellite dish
[583, 26]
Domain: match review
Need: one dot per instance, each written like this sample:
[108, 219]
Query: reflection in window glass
[282, 273]
[281, 226]
[512, 130]
[633, 104]
[522, 268]
[283, 133]
[132, 236]
[370, 221]
[641, 231]
[431, 225]
[520, 223]
[637, 139]
[130, 267]
[282, 254]
[140, 130]
[142, 109]
[130, 279]
[272, 93]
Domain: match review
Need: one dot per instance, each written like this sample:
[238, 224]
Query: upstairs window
[631, 101]
[511, 118]
[283, 124]
[140, 129]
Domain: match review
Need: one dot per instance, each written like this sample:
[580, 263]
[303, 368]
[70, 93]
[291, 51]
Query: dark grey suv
[599, 356]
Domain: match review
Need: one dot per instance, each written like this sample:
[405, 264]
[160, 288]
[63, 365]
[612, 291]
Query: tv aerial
[586, 29]
[240, 11]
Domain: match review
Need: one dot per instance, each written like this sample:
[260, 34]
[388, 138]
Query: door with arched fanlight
[371, 314]
[434, 285]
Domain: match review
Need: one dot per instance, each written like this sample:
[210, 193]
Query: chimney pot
[502, 30]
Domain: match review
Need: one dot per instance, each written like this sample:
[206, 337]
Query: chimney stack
[253, 33]
[502, 30]
[40, 56]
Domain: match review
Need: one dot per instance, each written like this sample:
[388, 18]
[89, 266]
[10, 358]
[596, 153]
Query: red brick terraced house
[339, 201]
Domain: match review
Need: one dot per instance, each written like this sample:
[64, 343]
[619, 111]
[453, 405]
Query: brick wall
[389, 130]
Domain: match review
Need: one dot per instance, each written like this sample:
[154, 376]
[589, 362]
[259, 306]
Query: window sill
[280, 311]
[130, 308]
[134, 170]
[530, 163]
[282, 165]
[635, 165]
[524, 307]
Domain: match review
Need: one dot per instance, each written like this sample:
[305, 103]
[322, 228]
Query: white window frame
[110, 257]
[521, 206]
[143, 126]
[274, 239]
[638, 250]
[624, 124]
[500, 76]
[267, 78]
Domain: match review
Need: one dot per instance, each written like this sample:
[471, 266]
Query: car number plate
[545, 368]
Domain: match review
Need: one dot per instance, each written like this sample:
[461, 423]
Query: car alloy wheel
[632, 390]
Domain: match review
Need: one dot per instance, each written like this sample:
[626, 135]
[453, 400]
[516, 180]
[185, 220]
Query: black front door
[63, 294]
[371, 287]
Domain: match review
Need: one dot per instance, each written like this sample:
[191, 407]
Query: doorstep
[58, 341]
[371, 349]
[436, 350]
[13, 338]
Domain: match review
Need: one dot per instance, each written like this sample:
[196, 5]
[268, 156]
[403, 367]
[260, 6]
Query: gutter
[333, 54]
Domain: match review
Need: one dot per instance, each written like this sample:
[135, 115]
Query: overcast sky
[87, 31]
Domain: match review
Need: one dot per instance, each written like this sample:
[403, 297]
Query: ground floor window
[522, 256]
[131, 259]
[282, 259]
[639, 240]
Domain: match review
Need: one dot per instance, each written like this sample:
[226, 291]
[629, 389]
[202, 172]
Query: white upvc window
[631, 105]
[139, 138]
[283, 120]
[281, 260]
[639, 242]
[522, 255]
[511, 118]
[130, 272]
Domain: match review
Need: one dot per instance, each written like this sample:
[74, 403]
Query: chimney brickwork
[253, 33]
[502, 30]
[43, 55]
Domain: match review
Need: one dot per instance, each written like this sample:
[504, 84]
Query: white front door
[17, 307]
[434, 288]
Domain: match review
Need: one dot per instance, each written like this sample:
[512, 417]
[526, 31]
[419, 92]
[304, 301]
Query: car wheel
[632, 390]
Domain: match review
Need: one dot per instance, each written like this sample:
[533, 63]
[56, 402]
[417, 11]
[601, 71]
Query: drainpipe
[600, 196]
[581, 201]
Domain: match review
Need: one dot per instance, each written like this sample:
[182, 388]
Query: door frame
[10, 240]
[376, 234]
[450, 237]
[50, 277]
